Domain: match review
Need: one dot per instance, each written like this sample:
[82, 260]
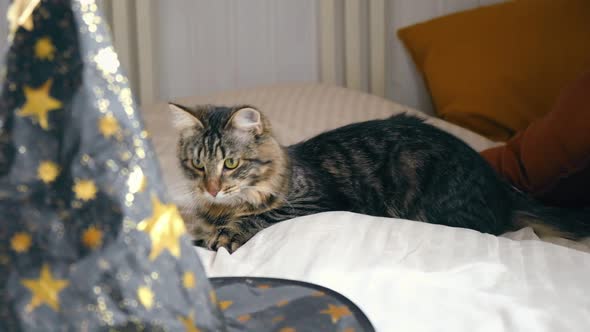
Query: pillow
[496, 69]
[551, 158]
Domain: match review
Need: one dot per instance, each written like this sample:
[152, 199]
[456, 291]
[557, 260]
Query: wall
[205, 46]
[208, 46]
[212, 46]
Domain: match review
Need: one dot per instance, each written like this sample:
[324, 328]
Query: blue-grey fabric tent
[88, 238]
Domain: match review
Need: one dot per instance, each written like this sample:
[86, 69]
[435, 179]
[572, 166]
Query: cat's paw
[225, 238]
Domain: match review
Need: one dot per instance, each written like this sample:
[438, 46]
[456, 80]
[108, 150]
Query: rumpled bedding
[412, 276]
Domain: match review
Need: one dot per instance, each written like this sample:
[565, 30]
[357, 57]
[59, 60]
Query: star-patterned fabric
[266, 304]
[88, 238]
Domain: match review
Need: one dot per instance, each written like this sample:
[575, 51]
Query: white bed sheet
[411, 276]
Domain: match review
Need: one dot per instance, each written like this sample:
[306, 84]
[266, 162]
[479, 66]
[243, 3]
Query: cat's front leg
[234, 235]
[224, 238]
[228, 238]
[213, 237]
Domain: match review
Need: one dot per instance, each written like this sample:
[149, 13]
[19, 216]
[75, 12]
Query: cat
[241, 180]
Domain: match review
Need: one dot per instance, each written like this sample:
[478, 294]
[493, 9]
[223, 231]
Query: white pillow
[412, 276]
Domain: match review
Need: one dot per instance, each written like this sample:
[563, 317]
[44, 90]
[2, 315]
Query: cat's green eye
[197, 165]
[231, 163]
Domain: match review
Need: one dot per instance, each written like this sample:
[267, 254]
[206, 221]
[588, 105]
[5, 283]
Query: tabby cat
[241, 180]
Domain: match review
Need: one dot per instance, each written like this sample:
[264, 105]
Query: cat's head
[229, 155]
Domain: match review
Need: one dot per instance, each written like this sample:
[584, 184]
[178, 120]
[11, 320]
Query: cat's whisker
[184, 196]
[281, 196]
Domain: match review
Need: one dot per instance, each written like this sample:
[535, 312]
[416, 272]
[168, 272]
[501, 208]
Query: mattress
[405, 275]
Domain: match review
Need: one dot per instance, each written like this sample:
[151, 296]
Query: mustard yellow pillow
[496, 69]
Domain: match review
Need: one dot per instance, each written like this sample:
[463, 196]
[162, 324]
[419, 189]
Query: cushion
[296, 110]
[551, 158]
[495, 69]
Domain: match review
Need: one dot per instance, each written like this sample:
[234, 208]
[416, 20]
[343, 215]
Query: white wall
[205, 46]
[208, 46]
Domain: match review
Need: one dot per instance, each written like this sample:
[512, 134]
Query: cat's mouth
[235, 196]
[227, 196]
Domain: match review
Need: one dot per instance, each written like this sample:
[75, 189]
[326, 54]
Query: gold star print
[336, 312]
[47, 171]
[282, 303]
[44, 49]
[145, 296]
[92, 237]
[39, 103]
[165, 226]
[85, 190]
[20, 242]
[20, 13]
[44, 290]
[244, 318]
[188, 280]
[108, 126]
[188, 323]
[225, 304]
[287, 329]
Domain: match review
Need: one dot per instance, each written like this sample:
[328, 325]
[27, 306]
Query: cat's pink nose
[212, 189]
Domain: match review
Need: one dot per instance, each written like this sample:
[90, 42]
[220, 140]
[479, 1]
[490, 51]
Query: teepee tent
[88, 238]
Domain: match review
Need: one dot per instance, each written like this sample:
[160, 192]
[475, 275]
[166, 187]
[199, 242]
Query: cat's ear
[182, 117]
[246, 119]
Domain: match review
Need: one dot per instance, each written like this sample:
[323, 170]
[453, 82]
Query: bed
[405, 275]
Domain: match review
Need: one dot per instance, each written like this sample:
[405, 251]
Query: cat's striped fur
[397, 167]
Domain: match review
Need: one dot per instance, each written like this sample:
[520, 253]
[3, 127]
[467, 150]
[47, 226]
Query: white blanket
[411, 276]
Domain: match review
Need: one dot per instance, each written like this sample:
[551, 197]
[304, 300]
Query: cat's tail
[546, 221]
